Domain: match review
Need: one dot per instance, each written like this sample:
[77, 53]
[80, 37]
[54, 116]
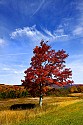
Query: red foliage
[47, 67]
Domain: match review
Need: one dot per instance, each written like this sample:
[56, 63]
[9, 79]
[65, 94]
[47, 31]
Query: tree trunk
[40, 98]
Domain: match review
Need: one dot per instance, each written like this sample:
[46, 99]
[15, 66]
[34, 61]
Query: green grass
[69, 115]
[55, 111]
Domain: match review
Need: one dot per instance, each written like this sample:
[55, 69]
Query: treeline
[76, 89]
[65, 91]
[12, 91]
[58, 92]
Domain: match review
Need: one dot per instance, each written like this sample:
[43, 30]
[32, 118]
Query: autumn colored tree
[47, 68]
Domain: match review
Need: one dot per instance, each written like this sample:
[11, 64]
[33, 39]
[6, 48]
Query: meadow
[55, 111]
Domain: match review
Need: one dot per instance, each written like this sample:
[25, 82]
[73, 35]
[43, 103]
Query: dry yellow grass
[13, 117]
[76, 95]
[10, 117]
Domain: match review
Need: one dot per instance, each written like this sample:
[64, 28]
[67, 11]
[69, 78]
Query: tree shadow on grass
[22, 106]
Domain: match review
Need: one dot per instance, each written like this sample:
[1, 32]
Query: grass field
[55, 111]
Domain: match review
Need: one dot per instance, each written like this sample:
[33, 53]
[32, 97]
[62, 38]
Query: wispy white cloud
[76, 66]
[78, 31]
[77, 71]
[78, 28]
[79, 7]
[20, 65]
[11, 79]
[60, 34]
[6, 69]
[18, 72]
[2, 41]
[39, 7]
[60, 30]
[36, 35]
[12, 70]
[14, 54]
[30, 32]
[48, 33]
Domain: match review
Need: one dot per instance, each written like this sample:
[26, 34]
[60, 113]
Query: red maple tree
[47, 68]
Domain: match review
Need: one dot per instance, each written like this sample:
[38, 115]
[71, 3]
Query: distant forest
[18, 91]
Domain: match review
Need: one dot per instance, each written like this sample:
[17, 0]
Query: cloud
[78, 31]
[2, 42]
[79, 7]
[76, 66]
[49, 34]
[11, 70]
[57, 35]
[11, 79]
[19, 72]
[78, 28]
[77, 71]
[30, 32]
[60, 34]
[6, 69]
[39, 7]
[35, 35]
[14, 54]
[59, 31]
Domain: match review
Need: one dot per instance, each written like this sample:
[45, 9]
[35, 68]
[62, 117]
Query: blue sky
[23, 23]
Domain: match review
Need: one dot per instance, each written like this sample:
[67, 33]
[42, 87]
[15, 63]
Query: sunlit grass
[76, 95]
[54, 108]
[71, 114]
